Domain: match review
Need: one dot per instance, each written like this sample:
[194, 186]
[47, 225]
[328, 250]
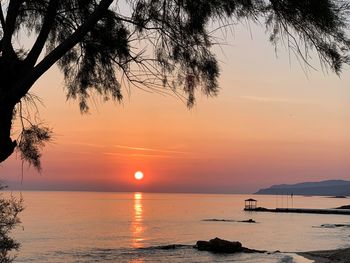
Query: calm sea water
[123, 227]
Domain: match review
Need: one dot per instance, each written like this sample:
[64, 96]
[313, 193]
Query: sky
[272, 122]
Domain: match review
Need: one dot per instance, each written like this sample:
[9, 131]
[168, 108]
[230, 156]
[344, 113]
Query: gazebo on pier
[250, 204]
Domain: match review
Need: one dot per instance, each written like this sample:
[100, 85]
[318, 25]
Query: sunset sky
[271, 123]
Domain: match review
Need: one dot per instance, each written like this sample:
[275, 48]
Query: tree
[163, 45]
[9, 210]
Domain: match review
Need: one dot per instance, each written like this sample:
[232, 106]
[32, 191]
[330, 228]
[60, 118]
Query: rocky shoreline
[328, 256]
[217, 246]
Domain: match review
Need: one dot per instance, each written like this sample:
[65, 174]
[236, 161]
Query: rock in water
[203, 245]
[218, 245]
[248, 221]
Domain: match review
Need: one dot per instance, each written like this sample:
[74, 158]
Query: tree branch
[2, 19]
[9, 28]
[44, 32]
[62, 48]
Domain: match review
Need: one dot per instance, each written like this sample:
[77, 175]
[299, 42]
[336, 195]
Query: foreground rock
[218, 245]
[344, 207]
[328, 256]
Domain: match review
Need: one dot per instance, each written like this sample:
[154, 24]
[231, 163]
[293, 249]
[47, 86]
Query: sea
[132, 227]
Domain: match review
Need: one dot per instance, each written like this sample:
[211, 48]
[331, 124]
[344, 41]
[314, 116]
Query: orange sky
[271, 123]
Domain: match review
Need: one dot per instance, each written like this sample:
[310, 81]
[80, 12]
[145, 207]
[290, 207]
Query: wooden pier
[300, 210]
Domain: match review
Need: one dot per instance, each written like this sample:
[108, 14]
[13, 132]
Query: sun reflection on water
[137, 227]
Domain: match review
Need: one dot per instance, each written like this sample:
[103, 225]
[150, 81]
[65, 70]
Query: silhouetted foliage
[9, 210]
[103, 46]
[31, 142]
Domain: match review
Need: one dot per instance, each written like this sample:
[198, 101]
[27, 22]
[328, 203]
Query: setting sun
[138, 175]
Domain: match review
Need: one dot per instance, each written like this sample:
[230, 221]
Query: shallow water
[112, 227]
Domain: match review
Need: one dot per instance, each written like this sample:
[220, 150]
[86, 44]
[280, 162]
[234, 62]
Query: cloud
[145, 155]
[132, 151]
[87, 144]
[127, 147]
[276, 100]
[148, 149]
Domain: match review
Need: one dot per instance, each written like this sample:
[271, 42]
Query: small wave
[218, 220]
[229, 220]
[167, 247]
[286, 259]
[334, 225]
[175, 253]
[294, 258]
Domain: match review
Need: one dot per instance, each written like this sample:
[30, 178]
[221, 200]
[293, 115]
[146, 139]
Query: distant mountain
[330, 187]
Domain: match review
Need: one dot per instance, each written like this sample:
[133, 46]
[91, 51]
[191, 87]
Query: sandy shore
[328, 256]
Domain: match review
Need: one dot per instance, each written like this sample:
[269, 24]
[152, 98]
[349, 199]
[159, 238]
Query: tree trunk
[11, 72]
[7, 146]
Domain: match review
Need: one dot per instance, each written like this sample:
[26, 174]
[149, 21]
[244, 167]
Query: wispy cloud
[276, 100]
[87, 144]
[148, 149]
[146, 155]
[132, 151]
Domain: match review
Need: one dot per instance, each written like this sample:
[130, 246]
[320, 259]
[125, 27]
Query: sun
[138, 175]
